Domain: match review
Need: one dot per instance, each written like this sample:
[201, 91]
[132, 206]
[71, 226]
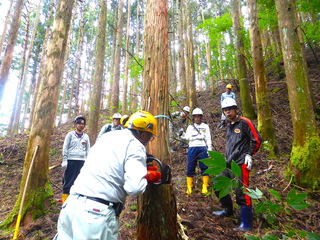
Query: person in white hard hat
[115, 125]
[178, 126]
[76, 147]
[242, 142]
[227, 94]
[199, 137]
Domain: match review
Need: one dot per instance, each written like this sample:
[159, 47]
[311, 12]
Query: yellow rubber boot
[64, 197]
[189, 185]
[205, 181]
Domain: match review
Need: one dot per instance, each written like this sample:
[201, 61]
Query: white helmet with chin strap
[228, 102]
[197, 111]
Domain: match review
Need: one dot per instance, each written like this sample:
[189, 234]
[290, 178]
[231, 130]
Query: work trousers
[195, 154]
[84, 219]
[70, 174]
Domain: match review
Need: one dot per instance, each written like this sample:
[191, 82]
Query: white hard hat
[228, 102]
[116, 115]
[197, 111]
[186, 108]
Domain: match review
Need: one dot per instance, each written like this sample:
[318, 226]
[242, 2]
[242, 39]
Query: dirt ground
[195, 211]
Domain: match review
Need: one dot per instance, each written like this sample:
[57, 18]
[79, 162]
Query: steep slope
[195, 210]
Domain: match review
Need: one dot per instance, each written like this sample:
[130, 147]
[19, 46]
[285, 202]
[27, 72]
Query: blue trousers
[195, 154]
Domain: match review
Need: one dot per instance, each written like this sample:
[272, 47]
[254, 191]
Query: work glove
[248, 161]
[64, 164]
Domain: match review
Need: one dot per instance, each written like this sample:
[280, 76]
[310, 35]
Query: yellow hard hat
[142, 121]
[229, 86]
[124, 119]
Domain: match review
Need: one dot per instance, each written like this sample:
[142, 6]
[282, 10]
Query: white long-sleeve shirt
[199, 135]
[114, 168]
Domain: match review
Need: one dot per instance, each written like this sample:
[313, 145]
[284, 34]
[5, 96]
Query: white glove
[248, 161]
[64, 164]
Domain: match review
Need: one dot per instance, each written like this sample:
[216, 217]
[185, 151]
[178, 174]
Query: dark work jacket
[242, 138]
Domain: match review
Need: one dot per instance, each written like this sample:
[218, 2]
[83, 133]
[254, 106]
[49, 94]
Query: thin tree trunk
[4, 32]
[126, 73]
[306, 141]
[247, 107]
[157, 199]
[12, 39]
[116, 76]
[78, 74]
[15, 117]
[181, 52]
[191, 79]
[133, 95]
[265, 122]
[95, 96]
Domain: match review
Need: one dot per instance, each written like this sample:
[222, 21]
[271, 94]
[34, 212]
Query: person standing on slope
[76, 147]
[242, 142]
[199, 137]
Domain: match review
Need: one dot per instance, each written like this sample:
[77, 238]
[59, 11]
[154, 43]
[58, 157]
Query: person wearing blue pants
[242, 142]
[199, 137]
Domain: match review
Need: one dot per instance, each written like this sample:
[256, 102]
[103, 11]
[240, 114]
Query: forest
[63, 58]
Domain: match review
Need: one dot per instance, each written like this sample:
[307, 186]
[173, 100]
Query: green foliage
[270, 208]
[53, 151]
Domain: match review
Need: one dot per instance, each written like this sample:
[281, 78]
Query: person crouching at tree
[242, 142]
[199, 137]
[76, 147]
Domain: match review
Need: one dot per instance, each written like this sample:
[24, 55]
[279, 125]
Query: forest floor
[195, 211]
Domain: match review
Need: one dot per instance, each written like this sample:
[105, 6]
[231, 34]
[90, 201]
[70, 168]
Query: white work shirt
[199, 135]
[114, 168]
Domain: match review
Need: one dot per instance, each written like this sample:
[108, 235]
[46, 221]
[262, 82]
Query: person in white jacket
[115, 167]
[76, 147]
[199, 137]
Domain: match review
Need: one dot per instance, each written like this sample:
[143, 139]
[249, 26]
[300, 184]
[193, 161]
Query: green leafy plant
[272, 209]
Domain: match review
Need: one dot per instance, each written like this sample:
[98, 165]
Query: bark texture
[306, 143]
[39, 188]
[157, 212]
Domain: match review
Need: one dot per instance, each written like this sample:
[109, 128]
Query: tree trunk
[191, 79]
[12, 39]
[4, 32]
[247, 108]
[42, 62]
[265, 123]
[78, 74]
[95, 95]
[126, 74]
[306, 142]
[181, 52]
[15, 116]
[39, 188]
[157, 211]
[134, 86]
[116, 76]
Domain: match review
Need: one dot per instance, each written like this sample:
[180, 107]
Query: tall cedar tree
[95, 96]
[38, 189]
[265, 123]
[306, 142]
[247, 108]
[157, 211]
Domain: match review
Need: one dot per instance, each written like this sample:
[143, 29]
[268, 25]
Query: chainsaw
[158, 173]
